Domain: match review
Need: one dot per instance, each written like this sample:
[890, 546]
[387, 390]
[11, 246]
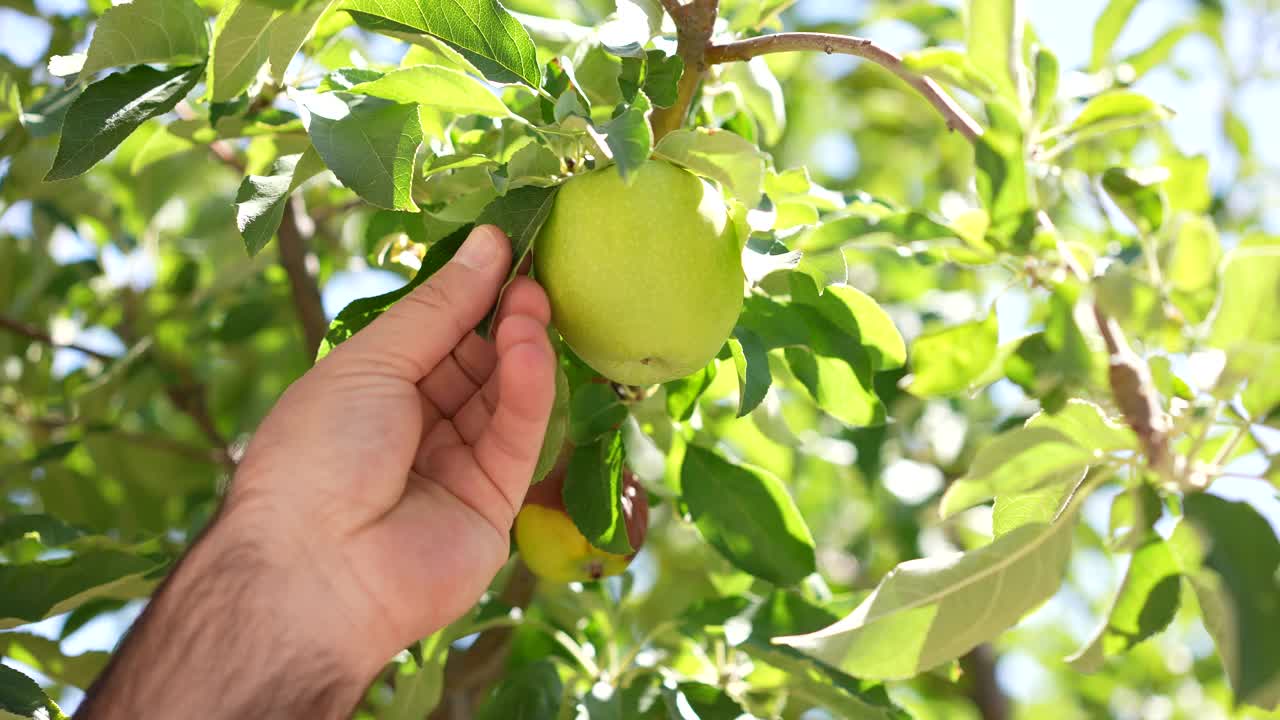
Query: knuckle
[432, 297]
[435, 300]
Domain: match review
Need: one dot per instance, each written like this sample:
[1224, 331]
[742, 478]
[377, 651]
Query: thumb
[423, 327]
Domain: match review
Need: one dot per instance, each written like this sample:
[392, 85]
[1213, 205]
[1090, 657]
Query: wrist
[224, 637]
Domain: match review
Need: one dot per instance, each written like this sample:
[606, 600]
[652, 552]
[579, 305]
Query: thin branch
[54, 423]
[1134, 391]
[188, 396]
[1128, 374]
[306, 296]
[979, 666]
[32, 332]
[695, 22]
[741, 50]
[674, 8]
[293, 258]
[220, 149]
[228, 156]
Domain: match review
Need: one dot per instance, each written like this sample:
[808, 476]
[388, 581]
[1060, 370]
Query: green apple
[645, 279]
[553, 547]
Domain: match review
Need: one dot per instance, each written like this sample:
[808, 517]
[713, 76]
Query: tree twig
[979, 666]
[741, 50]
[32, 332]
[1134, 391]
[293, 258]
[306, 295]
[695, 22]
[189, 396]
[1128, 374]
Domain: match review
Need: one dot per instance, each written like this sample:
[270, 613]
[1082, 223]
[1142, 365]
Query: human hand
[374, 503]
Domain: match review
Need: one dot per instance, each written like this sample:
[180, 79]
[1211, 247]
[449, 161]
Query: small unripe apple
[645, 280]
[553, 547]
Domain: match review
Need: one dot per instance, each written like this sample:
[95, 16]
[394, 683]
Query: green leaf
[848, 697]
[932, 610]
[173, 32]
[947, 361]
[10, 100]
[1250, 281]
[1015, 462]
[951, 66]
[751, 361]
[662, 77]
[1137, 193]
[629, 136]
[1192, 254]
[21, 696]
[906, 226]
[289, 30]
[565, 95]
[419, 686]
[1107, 30]
[1145, 605]
[593, 493]
[1149, 58]
[727, 158]
[46, 116]
[1117, 109]
[994, 37]
[557, 429]
[1012, 511]
[360, 313]
[762, 95]
[856, 313]
[1004, 186]
[160, 146]
[1134, 513]
[34, 591]
[482, 30]
[436, 87]
[629, 29]
[520, 214]
[1088, 426]
[842, 390]
[800, 324]
[369, 143]
[533, 692]
[262, 199]
[1048, 76]
[109, 110]
[595, 411]
[1232, 557]
[683, 394]
[1251, 363]
[746, 514]
[705, 702]
[46, 657]
[47, 529]
[241, 46]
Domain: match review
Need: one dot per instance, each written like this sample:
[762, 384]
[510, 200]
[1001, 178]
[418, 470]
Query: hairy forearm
[219, 641]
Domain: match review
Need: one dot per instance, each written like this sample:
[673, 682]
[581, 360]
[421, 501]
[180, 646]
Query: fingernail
[479, 250]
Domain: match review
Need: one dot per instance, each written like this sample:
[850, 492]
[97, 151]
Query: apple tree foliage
[855, 505]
